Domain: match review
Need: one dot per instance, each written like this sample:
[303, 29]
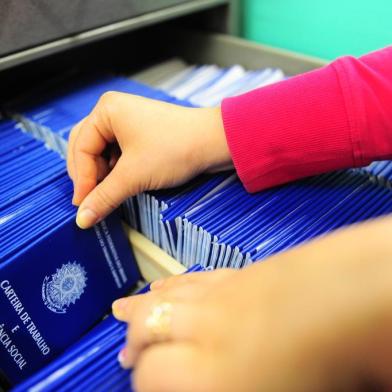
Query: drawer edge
[153, 262]
[225, 50]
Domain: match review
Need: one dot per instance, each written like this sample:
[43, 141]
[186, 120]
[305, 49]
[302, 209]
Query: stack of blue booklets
[48, 283]
[380, 172]
[52, 117]
[56, 281]
[206, 85]
[90, 364]
[213, 220]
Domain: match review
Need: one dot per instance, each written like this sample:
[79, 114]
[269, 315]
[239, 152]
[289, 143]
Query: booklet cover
[58, 287]
[90, 364]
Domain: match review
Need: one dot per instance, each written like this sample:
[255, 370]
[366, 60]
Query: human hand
[316, 318]
[151, 145]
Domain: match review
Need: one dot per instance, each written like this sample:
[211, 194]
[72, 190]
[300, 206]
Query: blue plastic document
[56, 281]
[56, 288]
[90, 364]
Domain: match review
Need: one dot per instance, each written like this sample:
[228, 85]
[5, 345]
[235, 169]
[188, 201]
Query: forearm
[336, 117]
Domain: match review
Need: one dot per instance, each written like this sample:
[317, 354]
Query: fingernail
[118, 307]
[86, 218]
[157, 284]
[122, 357]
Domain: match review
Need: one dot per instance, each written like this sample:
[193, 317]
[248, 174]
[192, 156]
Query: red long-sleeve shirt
[335, 117]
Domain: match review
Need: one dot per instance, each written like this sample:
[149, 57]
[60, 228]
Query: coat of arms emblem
[64, 287]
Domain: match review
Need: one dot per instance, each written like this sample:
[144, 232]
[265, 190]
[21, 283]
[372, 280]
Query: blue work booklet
[56, 280]
[90, 364]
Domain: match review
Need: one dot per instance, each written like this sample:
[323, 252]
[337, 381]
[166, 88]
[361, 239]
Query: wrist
[215, 150]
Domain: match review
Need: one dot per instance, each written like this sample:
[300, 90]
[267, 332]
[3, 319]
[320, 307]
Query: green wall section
[323, 28]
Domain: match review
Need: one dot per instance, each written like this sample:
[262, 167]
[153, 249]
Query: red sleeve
[335, 117]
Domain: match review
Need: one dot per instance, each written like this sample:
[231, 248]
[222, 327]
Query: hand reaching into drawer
[129, 144]
[316, 318]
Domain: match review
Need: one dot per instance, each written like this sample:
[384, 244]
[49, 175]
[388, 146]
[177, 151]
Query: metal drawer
[31, 29]
[27, 23]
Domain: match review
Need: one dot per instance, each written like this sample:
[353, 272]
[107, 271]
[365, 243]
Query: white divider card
[90, 364]
[56, 280]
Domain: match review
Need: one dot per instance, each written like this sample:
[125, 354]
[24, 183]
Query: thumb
[106, 196]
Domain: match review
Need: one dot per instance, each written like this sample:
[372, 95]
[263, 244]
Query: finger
[103, 169]
[87, 147]
[178, 323]
[124, 308]
[91, 140]
[176, 280]
[106, 196]
[170, 367]
[71, 141]
[206, 277]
